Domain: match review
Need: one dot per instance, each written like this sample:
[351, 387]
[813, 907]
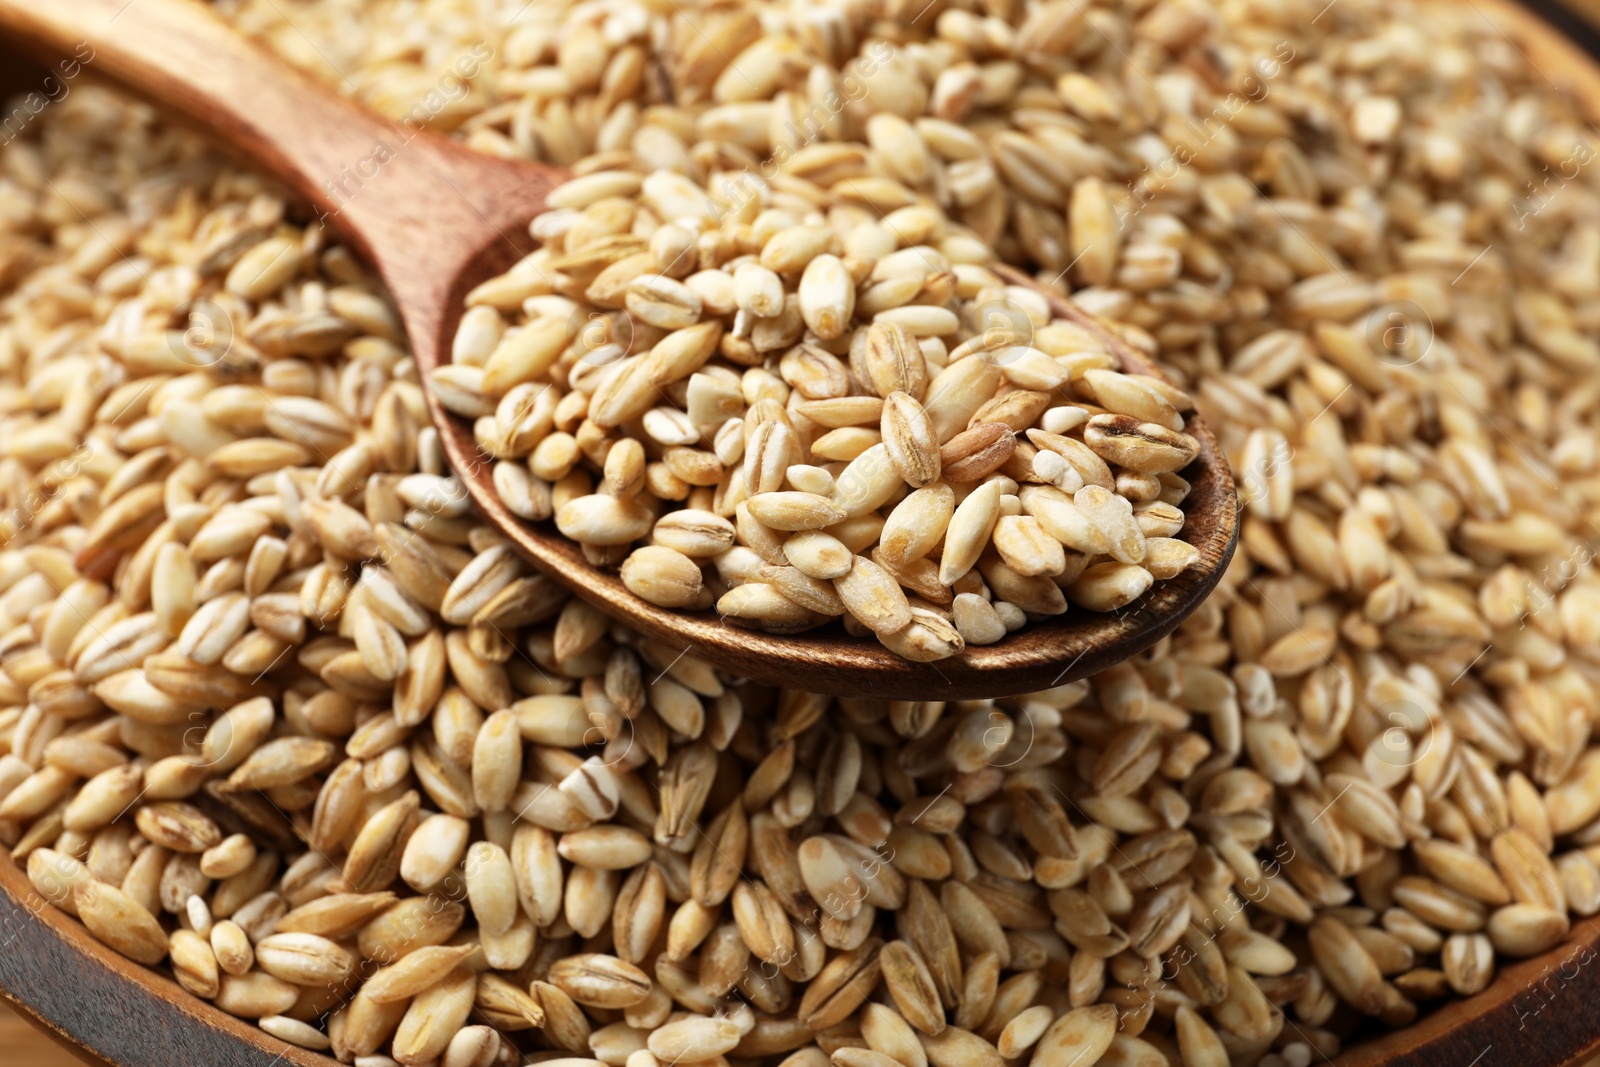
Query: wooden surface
[23, 1046]
[437, 219]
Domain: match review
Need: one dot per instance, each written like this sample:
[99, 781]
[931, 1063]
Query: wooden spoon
[436, 219]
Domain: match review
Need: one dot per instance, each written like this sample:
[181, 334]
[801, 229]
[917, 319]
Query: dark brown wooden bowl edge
[106, 1008]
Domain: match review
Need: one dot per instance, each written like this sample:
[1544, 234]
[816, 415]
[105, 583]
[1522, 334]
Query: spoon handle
[420, 206]
[181, 55]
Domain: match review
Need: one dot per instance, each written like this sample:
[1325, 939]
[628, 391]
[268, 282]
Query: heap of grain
[281, 714]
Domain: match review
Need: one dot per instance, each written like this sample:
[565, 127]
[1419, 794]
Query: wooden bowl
[108, 1010]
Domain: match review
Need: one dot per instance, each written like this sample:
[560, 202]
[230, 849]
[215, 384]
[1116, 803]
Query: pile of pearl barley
[1356, 780]
[932, 483]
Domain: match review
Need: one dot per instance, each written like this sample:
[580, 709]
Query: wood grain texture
[430, 206]
[436, 219]
[21, 1045]
[110, 1010]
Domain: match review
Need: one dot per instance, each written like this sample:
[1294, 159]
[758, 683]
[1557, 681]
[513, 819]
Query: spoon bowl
[436, 219]
[829, 660]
